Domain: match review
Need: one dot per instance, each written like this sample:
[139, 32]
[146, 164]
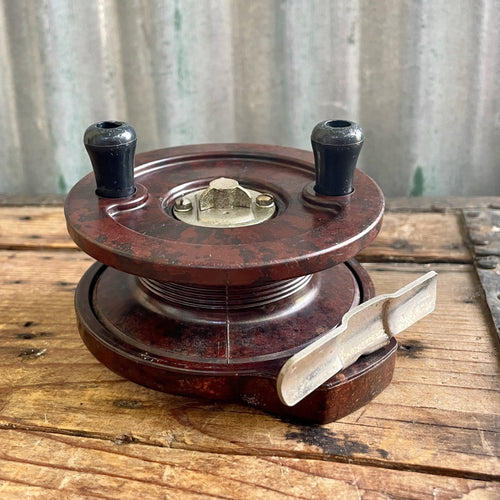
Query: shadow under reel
[226, 271]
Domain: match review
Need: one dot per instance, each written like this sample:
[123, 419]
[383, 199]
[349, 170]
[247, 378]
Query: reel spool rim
[94, 226]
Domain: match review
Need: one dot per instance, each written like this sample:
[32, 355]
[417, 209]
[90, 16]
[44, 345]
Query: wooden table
[70, 428]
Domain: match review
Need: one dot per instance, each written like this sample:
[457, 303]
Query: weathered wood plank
[22, 200]
[433, 418]
[483, 233]
[34, 227]
[411, 237]
[443, 204]
[56, 466]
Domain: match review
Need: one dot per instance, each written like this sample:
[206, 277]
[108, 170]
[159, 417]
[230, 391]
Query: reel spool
[219, 262]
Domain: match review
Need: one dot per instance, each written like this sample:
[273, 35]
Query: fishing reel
[227, 271]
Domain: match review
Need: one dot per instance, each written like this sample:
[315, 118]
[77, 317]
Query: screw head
[477, 238]
[489, 262]
[183, 205]
[472, 214]
[264, 200]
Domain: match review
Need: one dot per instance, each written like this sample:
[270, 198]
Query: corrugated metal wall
[421, 77]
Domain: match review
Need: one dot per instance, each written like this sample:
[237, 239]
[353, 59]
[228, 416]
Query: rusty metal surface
[483, 226]
[187, 72]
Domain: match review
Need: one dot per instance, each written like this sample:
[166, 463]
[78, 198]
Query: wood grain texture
[57, 466]
[418, 237]
[407, 237]
[70, 428]
[433, 417]
[22, 200]
[34, 227]
[441, 204]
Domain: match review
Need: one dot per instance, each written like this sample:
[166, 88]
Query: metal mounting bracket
[483, 227]
[363, 330]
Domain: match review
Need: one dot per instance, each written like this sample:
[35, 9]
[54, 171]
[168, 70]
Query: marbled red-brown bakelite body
[233, 352]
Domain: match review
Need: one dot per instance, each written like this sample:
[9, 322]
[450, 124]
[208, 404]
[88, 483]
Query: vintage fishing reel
[221, 264]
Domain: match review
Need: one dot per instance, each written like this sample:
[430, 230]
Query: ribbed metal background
[421, 77]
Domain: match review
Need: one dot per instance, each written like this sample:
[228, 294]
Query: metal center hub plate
[224, 203]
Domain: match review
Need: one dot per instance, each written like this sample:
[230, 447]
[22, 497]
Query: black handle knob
[336, 145]
[111, 147]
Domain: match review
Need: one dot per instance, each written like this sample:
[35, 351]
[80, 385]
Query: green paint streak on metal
[418, 182]
[183, 81]
[177, 18]
[179, 49]
[351, 39]
[61, 184]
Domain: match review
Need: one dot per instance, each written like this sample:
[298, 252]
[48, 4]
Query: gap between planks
[259, 453]
[87, 465]
[390, 274]
[404, 237]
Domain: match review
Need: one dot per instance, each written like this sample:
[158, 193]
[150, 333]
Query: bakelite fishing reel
[226, 271]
